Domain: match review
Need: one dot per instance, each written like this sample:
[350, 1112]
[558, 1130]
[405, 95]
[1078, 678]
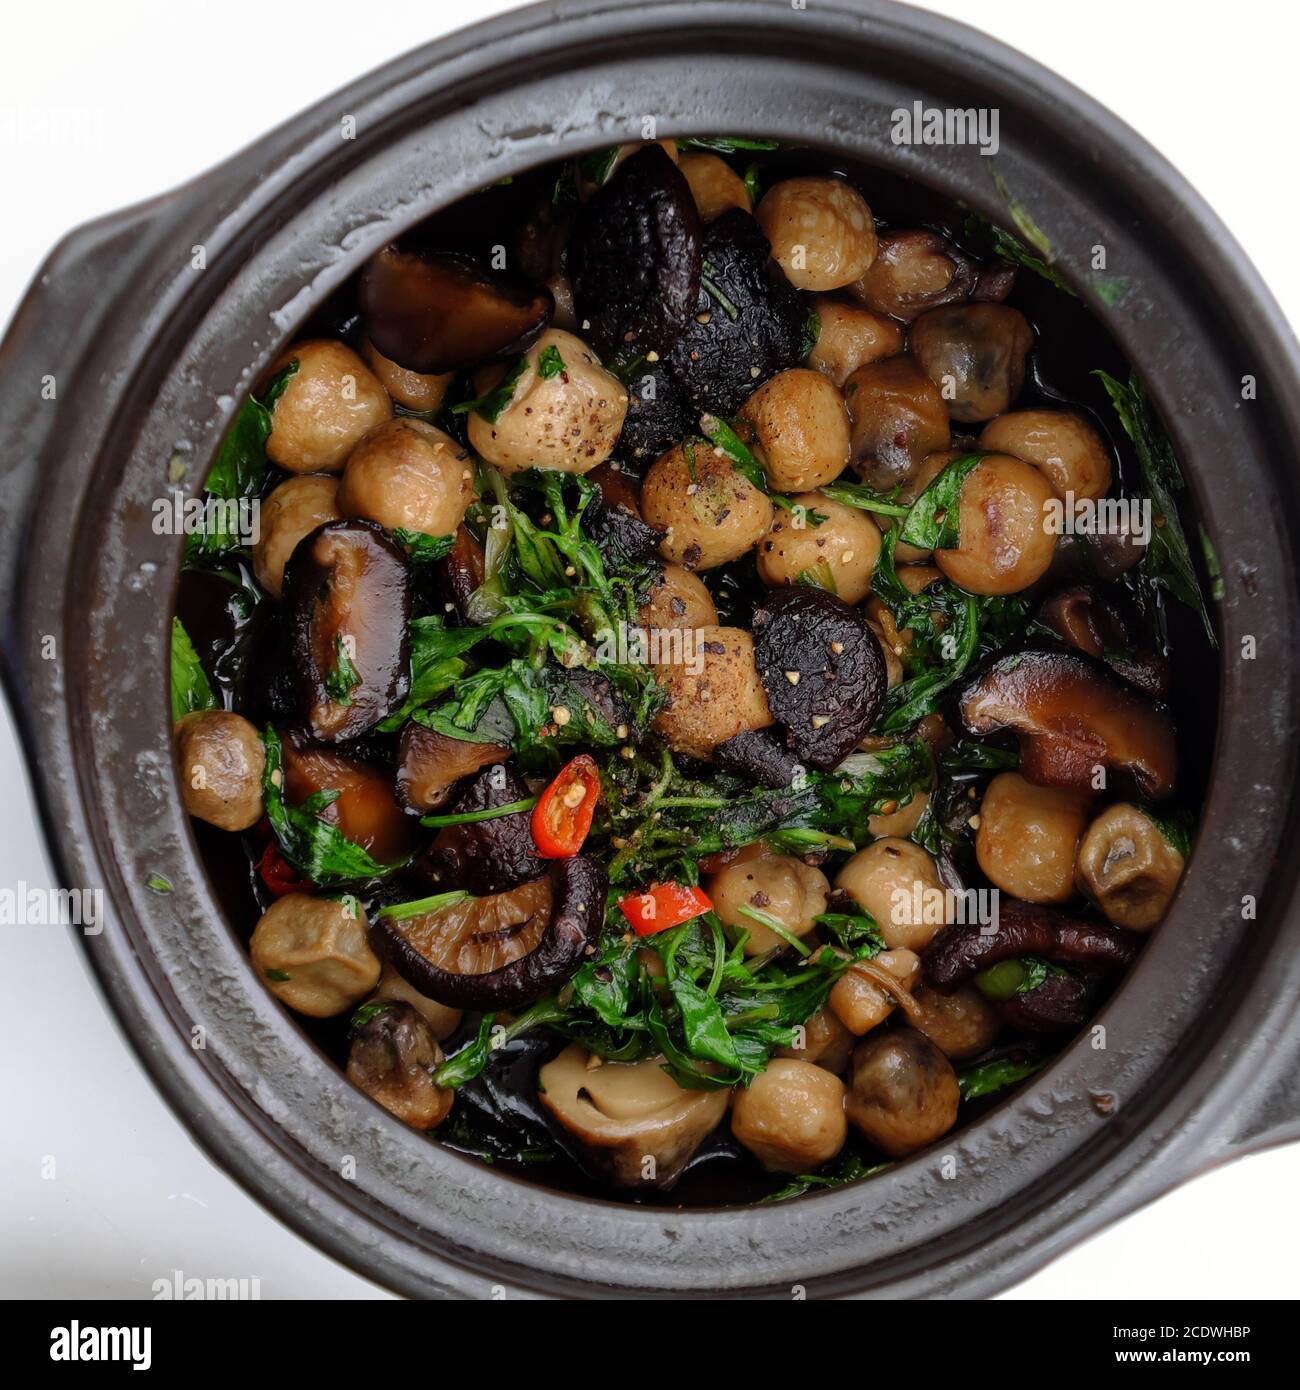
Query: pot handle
[56, 321]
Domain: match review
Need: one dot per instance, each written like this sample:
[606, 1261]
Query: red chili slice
[562, 816]
[664, 905]
[278, 874]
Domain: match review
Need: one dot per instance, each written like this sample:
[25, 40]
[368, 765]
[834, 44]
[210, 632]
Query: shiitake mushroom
[366, 811]
[461, 571]
[822, 670]
[347, 598]
[488, 856]
[634, 257]
[613, 520]
[434, 311]
[659, 414]
[503, 950]
[429, 764]
[961, 949]
[1058, 1005]
[1090, 622]
[747, 324]
[759, 755]
[1074, 719]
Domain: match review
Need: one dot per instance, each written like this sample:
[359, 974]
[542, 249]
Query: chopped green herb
[421, 548]
[492, 404]
[549, 362]
[191, 689]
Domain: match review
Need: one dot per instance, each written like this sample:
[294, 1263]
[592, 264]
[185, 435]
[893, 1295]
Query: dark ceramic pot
[149, 358]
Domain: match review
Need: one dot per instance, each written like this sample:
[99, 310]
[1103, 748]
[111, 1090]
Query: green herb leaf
[1168, 558]
[934, 520]
[991, 1077]
[191, 689]
[491, 405]
[343, 677]
[239, 470]
[549, 362]
[421, 548]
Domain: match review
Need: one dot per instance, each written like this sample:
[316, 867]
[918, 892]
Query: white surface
[101, 105]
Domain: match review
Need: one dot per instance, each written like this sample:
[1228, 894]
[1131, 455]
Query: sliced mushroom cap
[435, 312]
[461, 571]
[429, 764]
[347, 596]
[486, 856]
[759, 755]
[365, 811]
[822, 670]
[634, 257]
[392, 1059]
[961, 950]
[1090, 623]
[631, 1122]
[1128, 867]
[505, 950]
[1073, 719]
[903, 1092]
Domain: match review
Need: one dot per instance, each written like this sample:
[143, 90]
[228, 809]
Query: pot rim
[1217, 1098]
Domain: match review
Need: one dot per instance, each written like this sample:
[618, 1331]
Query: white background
[173, 88]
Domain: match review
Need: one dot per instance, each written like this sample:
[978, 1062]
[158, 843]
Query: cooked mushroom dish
[676, 671]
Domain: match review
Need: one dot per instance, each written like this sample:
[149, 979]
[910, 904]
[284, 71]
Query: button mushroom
[293, 510]
[1074, 720]
[564, 413]
[772, 888]
[442, 1020]
[433, 312]
[328, 404]
[843, 546]
[849, 337]
[802, 429]
[314, 955]
[408, 475]
[791, 1116]
[416, 391]
[713, 697]
[1004, 544]
[1128, 867]
[822, 670]
[898, 418]
[869, 990]
[962, 1024]
[822, 233]
[220, 760]
[714, 184]
[1059, 443]
[677, 599]
[1028, 837]
[708, 510]
[897, 883]
[915, 270]
[975, 354]
[903, 1092]
[504, 950]
[392, 1058]
[630, 1122]
[347, 597]
[826, 1042]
